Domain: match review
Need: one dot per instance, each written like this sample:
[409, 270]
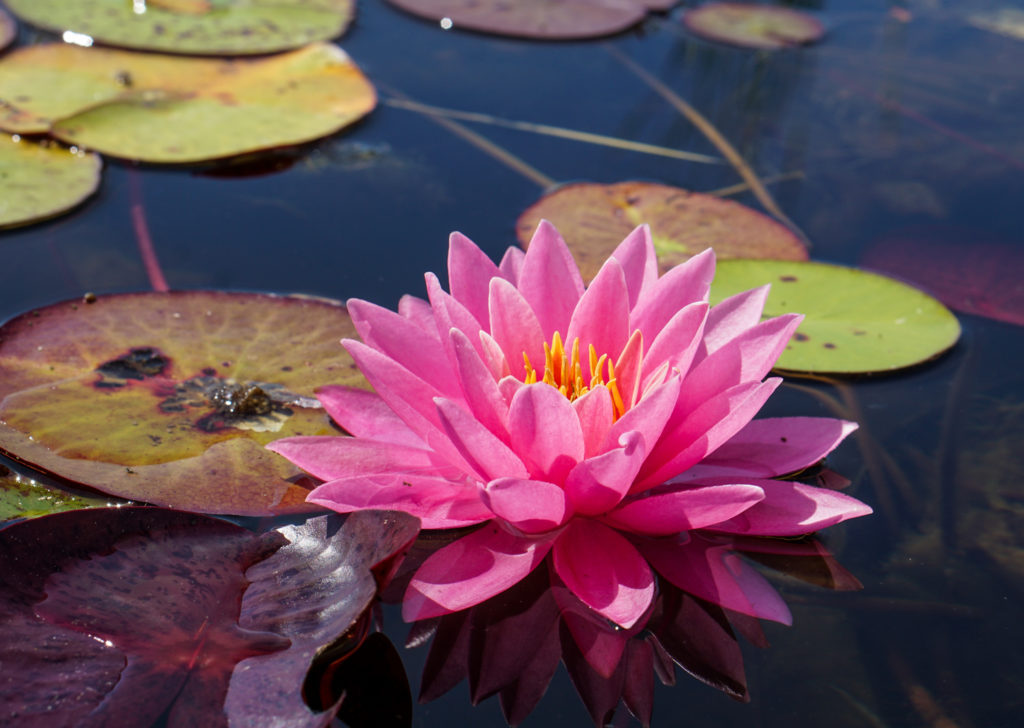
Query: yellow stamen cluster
[564, 372]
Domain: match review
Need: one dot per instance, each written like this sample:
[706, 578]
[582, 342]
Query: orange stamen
[564, 371]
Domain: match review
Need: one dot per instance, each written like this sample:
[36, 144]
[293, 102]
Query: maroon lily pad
[169, 398]
[961, 268]
[594, 218]
[136, 615]
[753, 26]
[549, 19]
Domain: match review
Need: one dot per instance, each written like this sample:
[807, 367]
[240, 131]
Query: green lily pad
[39, 181]
[206, 27]
[169, 398]
[753, 26]
[155, 108]
[22, 497]
[594, 218]
[7, 29]
[854, 322]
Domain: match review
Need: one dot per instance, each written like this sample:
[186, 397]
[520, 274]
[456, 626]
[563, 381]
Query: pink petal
[601, 318]
[488, 456]
[469, 275]
[450, 314]
[545, 432]
[674, 509]
[437, 502]
[549, 279]
[597, 484]
[685, 284]
[639, 262]
[601, 646]
[774, 446]
[494, 357]
[532, 506]
[515, 327]
[479, 388]
[627, 369]
[512, 264]
[595, 412]
[715, 573]
[417, 310]
[604, 570]
[793, 509]
[365, 414]
[471, 570]
[330, 457]
[648, 417]
[733, 316]
[679, 341]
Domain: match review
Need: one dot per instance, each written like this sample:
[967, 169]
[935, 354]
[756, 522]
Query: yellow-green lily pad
[169, 398]
[206, 27]
[854, 322]
[749, 25]
[39, 181]
[157, 108]
[22, 498]
[594, 218]
[7, 29]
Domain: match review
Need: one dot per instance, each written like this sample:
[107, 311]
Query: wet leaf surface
[8, 29]
[38, 181]
[854, 322]
[169, 398]
[559, 20]
[959, 267]
[137, 616]
[207, 27]
[594, 218]
[166, 109]
[753, 26]
[22, 497]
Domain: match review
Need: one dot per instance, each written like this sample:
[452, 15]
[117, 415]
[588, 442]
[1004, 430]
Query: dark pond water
[895, 126]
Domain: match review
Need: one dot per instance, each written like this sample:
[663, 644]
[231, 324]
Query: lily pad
[206, 27]
[960, 267]
[137, 616]
[7, 29]
[753, 26]
[39, 181]
[157, 108]
[854, 322]
[169, 398]
[22, 497]
[550, 19]
[594, 218]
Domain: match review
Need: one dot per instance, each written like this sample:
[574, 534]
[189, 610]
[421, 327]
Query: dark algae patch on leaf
[169, 398]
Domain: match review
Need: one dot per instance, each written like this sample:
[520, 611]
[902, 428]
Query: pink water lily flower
[610, 426]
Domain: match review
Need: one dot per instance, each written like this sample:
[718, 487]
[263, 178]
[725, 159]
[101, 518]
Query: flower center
[564, 372]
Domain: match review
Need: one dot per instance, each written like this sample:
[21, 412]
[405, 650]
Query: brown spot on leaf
[829, 345]
[788, 279]
[801, 337]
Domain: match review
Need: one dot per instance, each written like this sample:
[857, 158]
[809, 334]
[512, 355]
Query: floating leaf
[854, 322]
[164, 109]
[1004, 21]
[169, 398]
[562, 19]
[594, 218]
[7, 29]
[206, 27]
[960, 268]
[753, 26]
[22, 497]
[137, 616]
[39, 181]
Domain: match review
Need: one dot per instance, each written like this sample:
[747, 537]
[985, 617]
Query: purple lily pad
[136, 615]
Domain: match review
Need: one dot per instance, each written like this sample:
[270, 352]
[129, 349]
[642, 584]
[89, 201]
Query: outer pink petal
[365, 414]
[514, 326]
[437, 502]
[604, 570]
[330, 457]
[678, 342]
[717, 574]
[417, 310]
[549, 279]
[675, 509]
[793, 509]
[595, 412]
[488, 456]
[532, 506]
[450, 314]
[639, 262]
[733, 316]
[685, 284]
[774, 446]
[479, 388]
[469, 275]
[601, 318]
[597, 484]
[471, 570]
[512, 265]
[545, 432]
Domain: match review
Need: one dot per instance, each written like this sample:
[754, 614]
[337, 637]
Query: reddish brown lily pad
[550, 19]
[753, 26]
[169, 398]
[7, 29]
[594, 218]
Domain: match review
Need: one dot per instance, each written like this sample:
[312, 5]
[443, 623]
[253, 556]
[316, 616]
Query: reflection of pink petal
[600, 645]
